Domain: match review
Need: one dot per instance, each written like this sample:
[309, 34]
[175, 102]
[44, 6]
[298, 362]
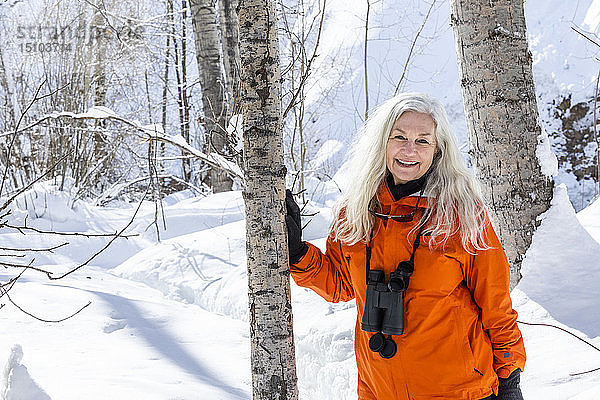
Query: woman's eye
[422, 141]
[399, 137]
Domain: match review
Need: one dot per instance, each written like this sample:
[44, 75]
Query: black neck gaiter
[405, 189]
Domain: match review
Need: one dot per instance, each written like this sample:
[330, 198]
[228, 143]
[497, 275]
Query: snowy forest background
[89, 87]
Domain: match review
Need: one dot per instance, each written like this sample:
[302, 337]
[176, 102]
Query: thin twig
[572, 334]
[412, 47]
[16, 130]
[86, 235]
[11, 283]
[49, 249]
[25, 267]
[147, 135]
[562, 329]
[14, 138]
[113, 191]
[578, 30]
[5, 293]
[30, 184]
[119, 234]
[228, 142]
[304, 77]
[153, 181]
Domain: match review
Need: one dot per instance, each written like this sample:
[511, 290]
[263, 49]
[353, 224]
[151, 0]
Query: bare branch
[412, 46]
[10, 283]
[4, 292]
[30, 184]
[212, 159]
[572, 334]
[25, 267]
[119, 234]
[12, 142]
[586, 35]
[116, 189]
[304, 77]
[21, 230]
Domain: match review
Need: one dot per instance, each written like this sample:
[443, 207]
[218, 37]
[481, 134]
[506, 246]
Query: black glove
[509, 388]
[297, 248]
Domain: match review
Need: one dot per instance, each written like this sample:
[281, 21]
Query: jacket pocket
[464, 343]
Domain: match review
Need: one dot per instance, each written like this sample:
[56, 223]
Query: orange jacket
[460, 330]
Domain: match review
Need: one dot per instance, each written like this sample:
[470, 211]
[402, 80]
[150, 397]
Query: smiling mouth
[407, 163]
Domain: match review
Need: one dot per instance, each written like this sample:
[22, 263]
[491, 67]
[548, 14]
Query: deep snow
[170, 322]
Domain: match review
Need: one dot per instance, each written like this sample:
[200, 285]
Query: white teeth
[407, 163]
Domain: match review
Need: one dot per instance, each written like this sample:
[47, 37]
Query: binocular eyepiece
[384, 307]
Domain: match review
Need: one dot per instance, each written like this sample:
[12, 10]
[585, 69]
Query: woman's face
[411, 146]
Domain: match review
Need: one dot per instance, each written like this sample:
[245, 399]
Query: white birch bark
[212, 82]
[99, 48]
[271, 333]
[502, 118]
[228, 16]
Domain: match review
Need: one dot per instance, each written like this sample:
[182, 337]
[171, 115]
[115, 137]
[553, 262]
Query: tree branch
[4, 292]
[412, 46]
[572, 334]
[87, 235]
[49, 249]
[581, 32]
[119, 234]
[148, 133]
[306, 74]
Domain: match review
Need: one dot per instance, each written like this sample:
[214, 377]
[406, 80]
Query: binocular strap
[416, 243]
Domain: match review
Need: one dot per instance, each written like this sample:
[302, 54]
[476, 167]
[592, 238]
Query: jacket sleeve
[487, 276]
[327, 274]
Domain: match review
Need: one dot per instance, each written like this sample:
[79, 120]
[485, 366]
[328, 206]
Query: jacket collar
[385, 198]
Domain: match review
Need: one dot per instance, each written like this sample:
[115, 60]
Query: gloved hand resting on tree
[297, 248]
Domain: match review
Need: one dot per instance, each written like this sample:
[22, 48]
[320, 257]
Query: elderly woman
[413, 244]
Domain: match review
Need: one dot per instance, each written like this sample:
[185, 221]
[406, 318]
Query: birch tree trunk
[182, 88]
[502, 118]
[212, 82]
[98, 53]
[271, 333]
[8, 123]
[231, 51]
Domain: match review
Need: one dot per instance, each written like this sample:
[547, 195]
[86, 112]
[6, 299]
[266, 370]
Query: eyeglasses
[397, 218]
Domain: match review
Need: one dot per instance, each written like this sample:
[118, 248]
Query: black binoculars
[384, 307]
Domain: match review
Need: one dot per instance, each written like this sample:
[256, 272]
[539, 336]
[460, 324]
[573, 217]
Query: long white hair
[458, 207]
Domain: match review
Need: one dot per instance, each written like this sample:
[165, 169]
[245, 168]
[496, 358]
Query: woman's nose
[410, 147]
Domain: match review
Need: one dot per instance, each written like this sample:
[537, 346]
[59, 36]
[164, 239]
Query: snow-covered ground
[170, 321]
